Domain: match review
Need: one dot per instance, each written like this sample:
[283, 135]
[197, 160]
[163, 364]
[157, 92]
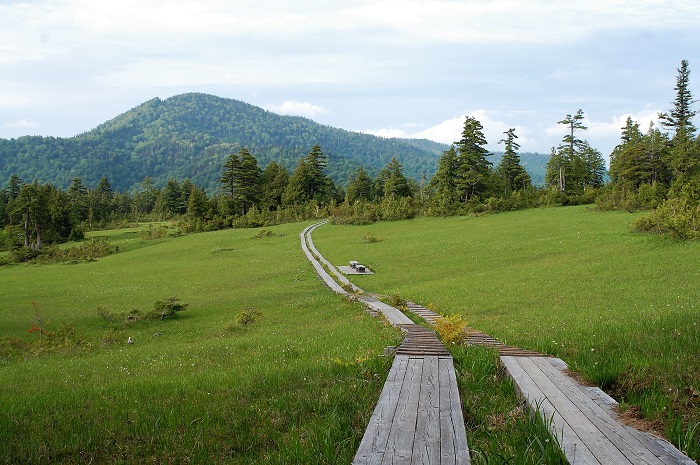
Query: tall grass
[621, 308]
[297, 385]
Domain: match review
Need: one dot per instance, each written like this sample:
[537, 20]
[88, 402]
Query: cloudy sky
[409, 68]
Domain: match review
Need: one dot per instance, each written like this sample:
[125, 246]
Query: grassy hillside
[296, 386]
[620, 308]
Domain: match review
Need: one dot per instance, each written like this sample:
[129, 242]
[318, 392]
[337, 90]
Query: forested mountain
[189, 136]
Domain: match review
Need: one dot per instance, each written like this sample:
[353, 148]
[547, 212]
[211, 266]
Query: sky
[394, 68]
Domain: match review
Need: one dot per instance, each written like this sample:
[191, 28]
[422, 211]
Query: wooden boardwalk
[583, 419]
[418, 419]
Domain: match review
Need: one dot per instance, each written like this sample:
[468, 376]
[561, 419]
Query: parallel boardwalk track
[418, 418]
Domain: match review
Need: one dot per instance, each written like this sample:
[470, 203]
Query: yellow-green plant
[451, 328]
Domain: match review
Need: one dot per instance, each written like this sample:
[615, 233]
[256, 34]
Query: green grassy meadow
[298, 385]
[621, 308]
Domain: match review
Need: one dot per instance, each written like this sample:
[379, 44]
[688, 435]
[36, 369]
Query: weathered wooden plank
[616, 434]
[374, 442]
[453, 436]
[393, 315]
[403, 428]
[426, 444]
[599, 445]
[574, 448]
[664, 450]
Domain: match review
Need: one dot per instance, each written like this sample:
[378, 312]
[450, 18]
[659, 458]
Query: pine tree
[273, 182]
[444, 180]
[246, 181]
[679, 119]
[359, 187]
[395, 184]
[473, 168]
[513, 173]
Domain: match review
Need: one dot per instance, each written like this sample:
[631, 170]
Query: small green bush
[370, 238]
[247, 316]
[166, 307]
[153, 232]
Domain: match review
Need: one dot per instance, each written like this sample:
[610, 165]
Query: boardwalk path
[421, 388]
[418, 418]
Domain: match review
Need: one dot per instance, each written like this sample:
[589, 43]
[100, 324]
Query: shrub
[167, 307]
[451, 329]
[247, 316]
[153, 232]
[397, 302]
[370, 238]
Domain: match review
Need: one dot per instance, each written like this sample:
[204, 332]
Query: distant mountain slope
[190, 136]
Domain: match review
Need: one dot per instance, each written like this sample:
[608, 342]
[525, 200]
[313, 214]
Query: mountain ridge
[190, 136]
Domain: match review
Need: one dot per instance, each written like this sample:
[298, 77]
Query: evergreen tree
[444, 180]
[78, 198]
[679, 119]
[101, 201]
[308, 181]
[513, 173]
[246, 176]
[145, 199]
[319, 185]
[273, 182]
[473, 168]
[297, 190]
[594, 167]
[395, 184]
[360, 186]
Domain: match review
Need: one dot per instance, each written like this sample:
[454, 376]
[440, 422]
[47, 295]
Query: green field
[621, 308]
[298, 385]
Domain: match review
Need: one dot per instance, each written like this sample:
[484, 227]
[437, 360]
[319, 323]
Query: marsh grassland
[296, 385]
[621, 308]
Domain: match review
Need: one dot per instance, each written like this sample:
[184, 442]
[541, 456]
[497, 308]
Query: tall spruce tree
[444, 181]
[513, 173]
[360, 186]
[473, 168]
[684, 157]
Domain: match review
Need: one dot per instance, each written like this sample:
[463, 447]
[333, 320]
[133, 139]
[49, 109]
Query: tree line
[653, 170]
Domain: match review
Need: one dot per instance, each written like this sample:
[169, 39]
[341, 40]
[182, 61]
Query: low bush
[451, 329]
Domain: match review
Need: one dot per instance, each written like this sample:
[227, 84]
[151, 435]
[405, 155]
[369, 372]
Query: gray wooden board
[403, 427]
[619, 436]
[426, 443]
[588, 432]
[453, 436]
[393, 315]
[376, 437]
[418, 419]
[574, 448]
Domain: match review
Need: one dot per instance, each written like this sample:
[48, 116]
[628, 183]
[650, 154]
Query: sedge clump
[451, 329]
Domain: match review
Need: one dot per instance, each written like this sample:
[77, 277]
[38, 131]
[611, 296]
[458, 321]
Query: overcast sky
[408, 68]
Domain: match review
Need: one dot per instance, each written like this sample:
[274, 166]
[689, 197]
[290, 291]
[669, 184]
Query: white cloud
[450, 130]
[21, 124]
[295, 108]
